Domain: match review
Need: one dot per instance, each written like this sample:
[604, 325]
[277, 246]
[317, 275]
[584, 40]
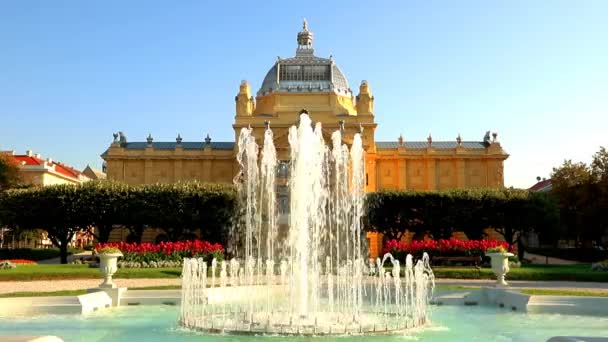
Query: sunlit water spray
[313, 280]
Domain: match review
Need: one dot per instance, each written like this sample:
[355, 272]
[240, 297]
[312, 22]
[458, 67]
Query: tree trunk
[63, 252]
[520, 248]
[104, 233]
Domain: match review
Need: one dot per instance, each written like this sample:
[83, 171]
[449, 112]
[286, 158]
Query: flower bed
[164, 254]
[451, 247]
[20, 261]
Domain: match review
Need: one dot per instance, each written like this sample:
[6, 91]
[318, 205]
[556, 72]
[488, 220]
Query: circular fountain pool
[447, 323]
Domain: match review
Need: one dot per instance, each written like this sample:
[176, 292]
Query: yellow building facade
[317, 85]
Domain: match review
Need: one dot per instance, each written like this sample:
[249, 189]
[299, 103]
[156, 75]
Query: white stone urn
[500, 266]
[108, 266]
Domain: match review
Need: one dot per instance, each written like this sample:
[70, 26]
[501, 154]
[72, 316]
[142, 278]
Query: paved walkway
[71, 258]
[78, 284]
[543, 260]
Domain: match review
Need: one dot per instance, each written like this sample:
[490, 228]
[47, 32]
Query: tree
[102, 205]
[53, 209]
[570, 175]
[599, 164]
[582, 195]
[9, 172]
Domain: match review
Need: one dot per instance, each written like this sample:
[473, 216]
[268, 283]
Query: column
[177, 170]
[460, 173]
[431, 177]
[148, 171]
[402, 168]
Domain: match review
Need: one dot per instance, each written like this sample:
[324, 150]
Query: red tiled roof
[29, 160]
[540, 185]
[66, 170]
[59, 167]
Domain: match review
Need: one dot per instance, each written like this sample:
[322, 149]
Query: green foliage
[581, 192]
[34, 254]
[499, 249]
[108, 250]
[440, 213]
[574, 254]
[180, 209]
[9, 172]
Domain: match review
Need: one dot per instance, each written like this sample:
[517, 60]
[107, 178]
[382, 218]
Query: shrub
[511, 212]
[498, 249]
[35, 254]
[7, 265]
[574, 254]
[600, 266]
[88, 247]
[107, 250]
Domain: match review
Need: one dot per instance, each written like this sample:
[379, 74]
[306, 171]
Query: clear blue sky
[74, 72]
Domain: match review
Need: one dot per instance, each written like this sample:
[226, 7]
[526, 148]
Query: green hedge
[35, 254]
[574, 254]
[440, 213]
[180, 209]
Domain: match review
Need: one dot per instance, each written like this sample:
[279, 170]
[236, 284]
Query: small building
[93, 173]
[543, 185]
[42, 172]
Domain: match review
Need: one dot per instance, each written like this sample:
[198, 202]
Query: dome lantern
[305, 41]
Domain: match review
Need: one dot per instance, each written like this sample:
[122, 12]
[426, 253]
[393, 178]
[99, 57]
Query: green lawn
[557, 292]
[79, 292]
[578, 272]
[45, 272]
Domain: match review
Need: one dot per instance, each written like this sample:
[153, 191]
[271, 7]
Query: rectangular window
[304, 73]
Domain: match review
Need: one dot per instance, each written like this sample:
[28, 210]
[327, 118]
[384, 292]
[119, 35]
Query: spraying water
[316, 280]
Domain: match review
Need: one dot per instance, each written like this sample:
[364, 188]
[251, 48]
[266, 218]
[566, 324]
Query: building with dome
[316, 84]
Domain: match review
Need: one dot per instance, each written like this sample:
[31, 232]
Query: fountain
[313, 279]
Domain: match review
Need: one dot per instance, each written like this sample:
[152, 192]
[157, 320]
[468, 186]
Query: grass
[35, 254]
[44, 294]
[557, 292]
[52, 272]
[578, 272]
[78, 292]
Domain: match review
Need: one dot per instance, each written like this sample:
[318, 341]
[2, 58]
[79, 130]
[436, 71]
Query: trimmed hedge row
[511, 212]
[180, 209]
[574, 254]
[34, 254]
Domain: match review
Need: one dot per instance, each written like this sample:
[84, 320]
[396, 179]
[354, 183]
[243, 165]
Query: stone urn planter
[500, 266]
[108, 266]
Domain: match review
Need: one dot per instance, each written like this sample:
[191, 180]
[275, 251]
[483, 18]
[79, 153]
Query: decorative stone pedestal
[500, 267]
[108, 266]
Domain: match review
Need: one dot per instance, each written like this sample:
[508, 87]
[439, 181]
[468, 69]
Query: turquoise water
[450, 323]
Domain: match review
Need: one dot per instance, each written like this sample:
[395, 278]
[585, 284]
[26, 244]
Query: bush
[7, 265]
[574, 254]
[107, 250]
[439, 214]
[600, 266]
[180, 209]
[35, 254]
[88, 247]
